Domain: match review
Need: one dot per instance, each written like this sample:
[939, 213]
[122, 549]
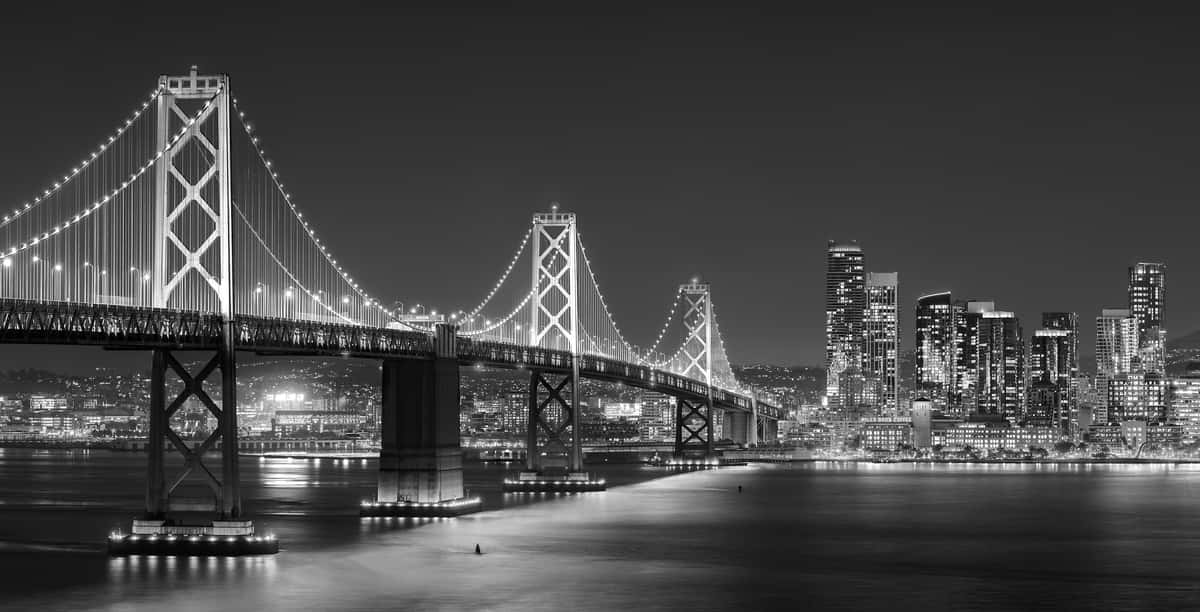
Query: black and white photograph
[559, 306]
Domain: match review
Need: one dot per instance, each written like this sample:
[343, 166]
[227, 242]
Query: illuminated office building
[845, 300]
[881, 341]
[1147, 297]
[1050, 381]
[999, 365]
[967, 315]
[935, 347]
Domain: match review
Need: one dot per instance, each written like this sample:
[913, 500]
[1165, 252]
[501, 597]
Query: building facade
[881, 336]
[935, 348]
[845, 301]
[967, 315]
[1000, 366]
[1147, 301]
[1051, 380]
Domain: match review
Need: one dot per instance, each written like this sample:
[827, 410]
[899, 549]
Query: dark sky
[1024, 157]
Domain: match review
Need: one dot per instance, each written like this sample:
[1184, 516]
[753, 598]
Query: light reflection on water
[827, 535]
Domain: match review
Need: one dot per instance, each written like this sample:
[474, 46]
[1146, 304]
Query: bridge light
[58, 267]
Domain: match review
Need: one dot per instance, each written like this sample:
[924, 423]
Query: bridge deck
[35, 322]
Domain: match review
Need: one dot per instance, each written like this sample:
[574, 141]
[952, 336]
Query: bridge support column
[693, 432]
[554, 449]
[163, 530]
[738, 426]
[768, 431]
[420, 463]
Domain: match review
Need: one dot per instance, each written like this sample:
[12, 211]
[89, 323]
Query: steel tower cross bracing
[193, 266]
[693, 419]
[554, 324]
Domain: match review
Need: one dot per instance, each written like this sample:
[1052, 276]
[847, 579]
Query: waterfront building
[922, 423]
[885, 434]
[1141, 397]
[881, 352]
[1000, 366]
[995, 435]
[845, 301]
[1184, 402]
[935, 347]
[1147, 299]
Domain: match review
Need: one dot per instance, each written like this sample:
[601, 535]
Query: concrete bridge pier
[740, 426]
[768, 430]
[420, 463]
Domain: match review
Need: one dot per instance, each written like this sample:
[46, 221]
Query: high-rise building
[845, 300]
[1050, 378]
[881, 351]
[1147, 298]
[1000, 366]
[1068, 322]
[1116, 343]
[935, 347]
[967, 315]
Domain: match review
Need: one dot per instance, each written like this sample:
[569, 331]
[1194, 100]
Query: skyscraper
[935, 347]
[845, 300]
[1147, 299]
[1116, 343]
[967, 315]
[1068, 322]
[1000, 365]
[881, 340]
[1050, 379]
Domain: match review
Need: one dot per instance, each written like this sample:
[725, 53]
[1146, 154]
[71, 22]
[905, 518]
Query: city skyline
[934, 153]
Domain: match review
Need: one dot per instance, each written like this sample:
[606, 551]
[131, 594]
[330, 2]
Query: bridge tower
[193, 267]
[554, 450]
[694, 416]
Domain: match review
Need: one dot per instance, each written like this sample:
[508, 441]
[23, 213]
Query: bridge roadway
[120, 326]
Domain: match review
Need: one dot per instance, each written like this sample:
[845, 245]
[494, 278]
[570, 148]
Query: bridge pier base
[739, 426]
[768, 431]
[554, 450]
[161, 530]
[420, 462]
[693, 433]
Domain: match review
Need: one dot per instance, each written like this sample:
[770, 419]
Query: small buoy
[739, 488]
[477, 551]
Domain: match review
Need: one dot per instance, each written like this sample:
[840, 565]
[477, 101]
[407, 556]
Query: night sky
[1026, 158]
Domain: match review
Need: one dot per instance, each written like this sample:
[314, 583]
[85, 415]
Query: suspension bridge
[176, 234]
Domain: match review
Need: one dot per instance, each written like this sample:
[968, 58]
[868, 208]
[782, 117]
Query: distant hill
[1181, 350]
